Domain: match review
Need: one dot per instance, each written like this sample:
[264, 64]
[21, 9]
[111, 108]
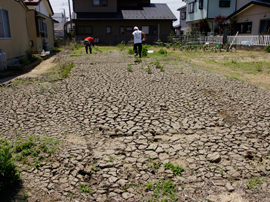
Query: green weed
[177, 170]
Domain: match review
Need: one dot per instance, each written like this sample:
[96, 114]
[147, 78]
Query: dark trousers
[139, 45]
[87, 46]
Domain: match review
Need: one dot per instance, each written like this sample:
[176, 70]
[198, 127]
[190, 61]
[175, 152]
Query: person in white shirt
[137, 36]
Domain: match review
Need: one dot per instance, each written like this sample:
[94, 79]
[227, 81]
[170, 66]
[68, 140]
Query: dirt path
[109, 134]
[43, 67]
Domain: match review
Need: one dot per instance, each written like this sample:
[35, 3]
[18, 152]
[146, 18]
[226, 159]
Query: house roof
[36, 2]
[182, 7]
[247, 6]
[151, 12]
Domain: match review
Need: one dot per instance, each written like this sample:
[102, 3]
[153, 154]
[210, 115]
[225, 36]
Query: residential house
[253, 18]
[183, 16]
[208, 9]
[59, 27]
[14, 38]
[40, 25]
[113, 21]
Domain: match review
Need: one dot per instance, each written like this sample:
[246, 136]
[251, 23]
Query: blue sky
[59, 6]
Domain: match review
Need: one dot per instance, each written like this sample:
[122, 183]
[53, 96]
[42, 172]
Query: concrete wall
[19, 41]
[254, 14]
[99, 30]
[87, 6]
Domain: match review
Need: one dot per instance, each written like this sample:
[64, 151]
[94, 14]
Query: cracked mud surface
[117, 130]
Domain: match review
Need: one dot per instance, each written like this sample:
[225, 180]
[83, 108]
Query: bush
[267, 49]
[162, 51]
[131, 51]
[144, 50]
[9, 175]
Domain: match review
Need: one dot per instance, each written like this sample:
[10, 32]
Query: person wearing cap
[137, 36]
[88, 41]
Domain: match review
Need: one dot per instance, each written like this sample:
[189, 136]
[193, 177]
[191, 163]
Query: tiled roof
[151, 12]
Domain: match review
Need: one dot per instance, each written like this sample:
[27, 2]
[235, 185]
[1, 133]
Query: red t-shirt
[89, 39]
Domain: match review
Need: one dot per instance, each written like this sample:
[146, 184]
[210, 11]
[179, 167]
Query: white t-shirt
[137, 36]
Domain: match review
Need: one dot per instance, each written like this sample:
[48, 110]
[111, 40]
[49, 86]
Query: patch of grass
[86, 189]
[131, 51]
[163, 190]
[163, 52]
[111, 159]
[176, 169]
[253, 182]
[34, 147]
[138, 60]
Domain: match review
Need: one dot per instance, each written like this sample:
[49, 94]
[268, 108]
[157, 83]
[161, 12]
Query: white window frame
[4, 25]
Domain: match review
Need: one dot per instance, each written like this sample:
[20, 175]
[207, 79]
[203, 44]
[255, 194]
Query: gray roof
[151, 12]
[154, 11]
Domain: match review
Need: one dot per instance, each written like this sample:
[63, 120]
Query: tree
[220, 20]
[204, 26]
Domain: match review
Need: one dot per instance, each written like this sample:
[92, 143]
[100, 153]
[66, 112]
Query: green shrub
[157, 63]
[9, 175]
[144, 50]
[149, 70]
[129, 68]
[162, 51]
[131, 51]
[267, 49]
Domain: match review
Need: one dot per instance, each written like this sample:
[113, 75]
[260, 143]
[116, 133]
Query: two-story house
[40, 24]
[208, 9]
[113, 21]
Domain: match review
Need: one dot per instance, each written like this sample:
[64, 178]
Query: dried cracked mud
[116, 130]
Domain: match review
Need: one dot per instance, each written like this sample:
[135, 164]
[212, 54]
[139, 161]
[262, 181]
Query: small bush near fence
[267, 49]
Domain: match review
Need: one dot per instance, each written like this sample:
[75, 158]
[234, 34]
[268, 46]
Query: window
[244, 27]
[84, 30]
[265, 26]
[122, 30]
[224, 3]
[129, 29]
[145, 29]
[42, 27]
[191, 7]
[108, 30]
[183, 15]
[4, 24]
[153, 30]
[99, 2]
[200, 4]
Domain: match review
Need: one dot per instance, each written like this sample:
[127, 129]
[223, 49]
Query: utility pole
[69, 14]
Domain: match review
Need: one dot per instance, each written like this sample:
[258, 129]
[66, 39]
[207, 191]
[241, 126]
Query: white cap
[135, 28]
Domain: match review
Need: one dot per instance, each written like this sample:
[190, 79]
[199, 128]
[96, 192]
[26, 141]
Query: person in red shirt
[88, 41]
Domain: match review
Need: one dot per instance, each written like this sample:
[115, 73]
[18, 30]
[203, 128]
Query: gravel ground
[118, 129]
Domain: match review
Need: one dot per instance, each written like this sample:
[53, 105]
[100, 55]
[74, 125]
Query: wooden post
[233, 40]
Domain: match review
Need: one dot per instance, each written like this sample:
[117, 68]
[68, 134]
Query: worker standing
[137, 36]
